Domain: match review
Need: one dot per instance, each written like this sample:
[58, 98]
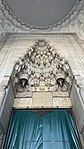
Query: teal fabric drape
[55, 130]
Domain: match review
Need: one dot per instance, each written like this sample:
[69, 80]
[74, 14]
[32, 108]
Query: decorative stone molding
[77, 25]
[6, 22]
[67, 17]
[41, 69]
[73, 21]
[42, 100]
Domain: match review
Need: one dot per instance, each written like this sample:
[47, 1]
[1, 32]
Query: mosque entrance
[42, 80]
[29, 130]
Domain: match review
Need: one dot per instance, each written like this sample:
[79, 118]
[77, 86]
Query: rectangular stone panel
[62, 102]
[22, 103]
[42, 99]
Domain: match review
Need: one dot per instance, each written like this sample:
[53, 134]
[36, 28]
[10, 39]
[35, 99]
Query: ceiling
[40, 13]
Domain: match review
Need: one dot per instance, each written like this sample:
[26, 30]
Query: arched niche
[42, 69]
[42, 73]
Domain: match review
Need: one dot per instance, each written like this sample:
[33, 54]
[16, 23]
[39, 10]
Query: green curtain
[55, 130]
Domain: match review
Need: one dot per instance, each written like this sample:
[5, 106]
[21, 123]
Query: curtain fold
[28, 130]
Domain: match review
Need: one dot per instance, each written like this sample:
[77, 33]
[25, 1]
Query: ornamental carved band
[42, 69]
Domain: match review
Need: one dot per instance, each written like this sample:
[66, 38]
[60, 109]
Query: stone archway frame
[41, 72]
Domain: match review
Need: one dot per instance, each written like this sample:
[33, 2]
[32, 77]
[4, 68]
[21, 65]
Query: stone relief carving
[78, 24]
[41, 69]
[73, 21]
[7, 23]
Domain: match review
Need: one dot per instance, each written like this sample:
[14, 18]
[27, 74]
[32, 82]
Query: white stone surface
[21, 103]
[62, 102]
[67, 45]
[17, 45]
[42, 100]
[72, 22]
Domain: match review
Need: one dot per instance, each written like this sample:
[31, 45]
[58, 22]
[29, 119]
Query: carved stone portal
[42, 69]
